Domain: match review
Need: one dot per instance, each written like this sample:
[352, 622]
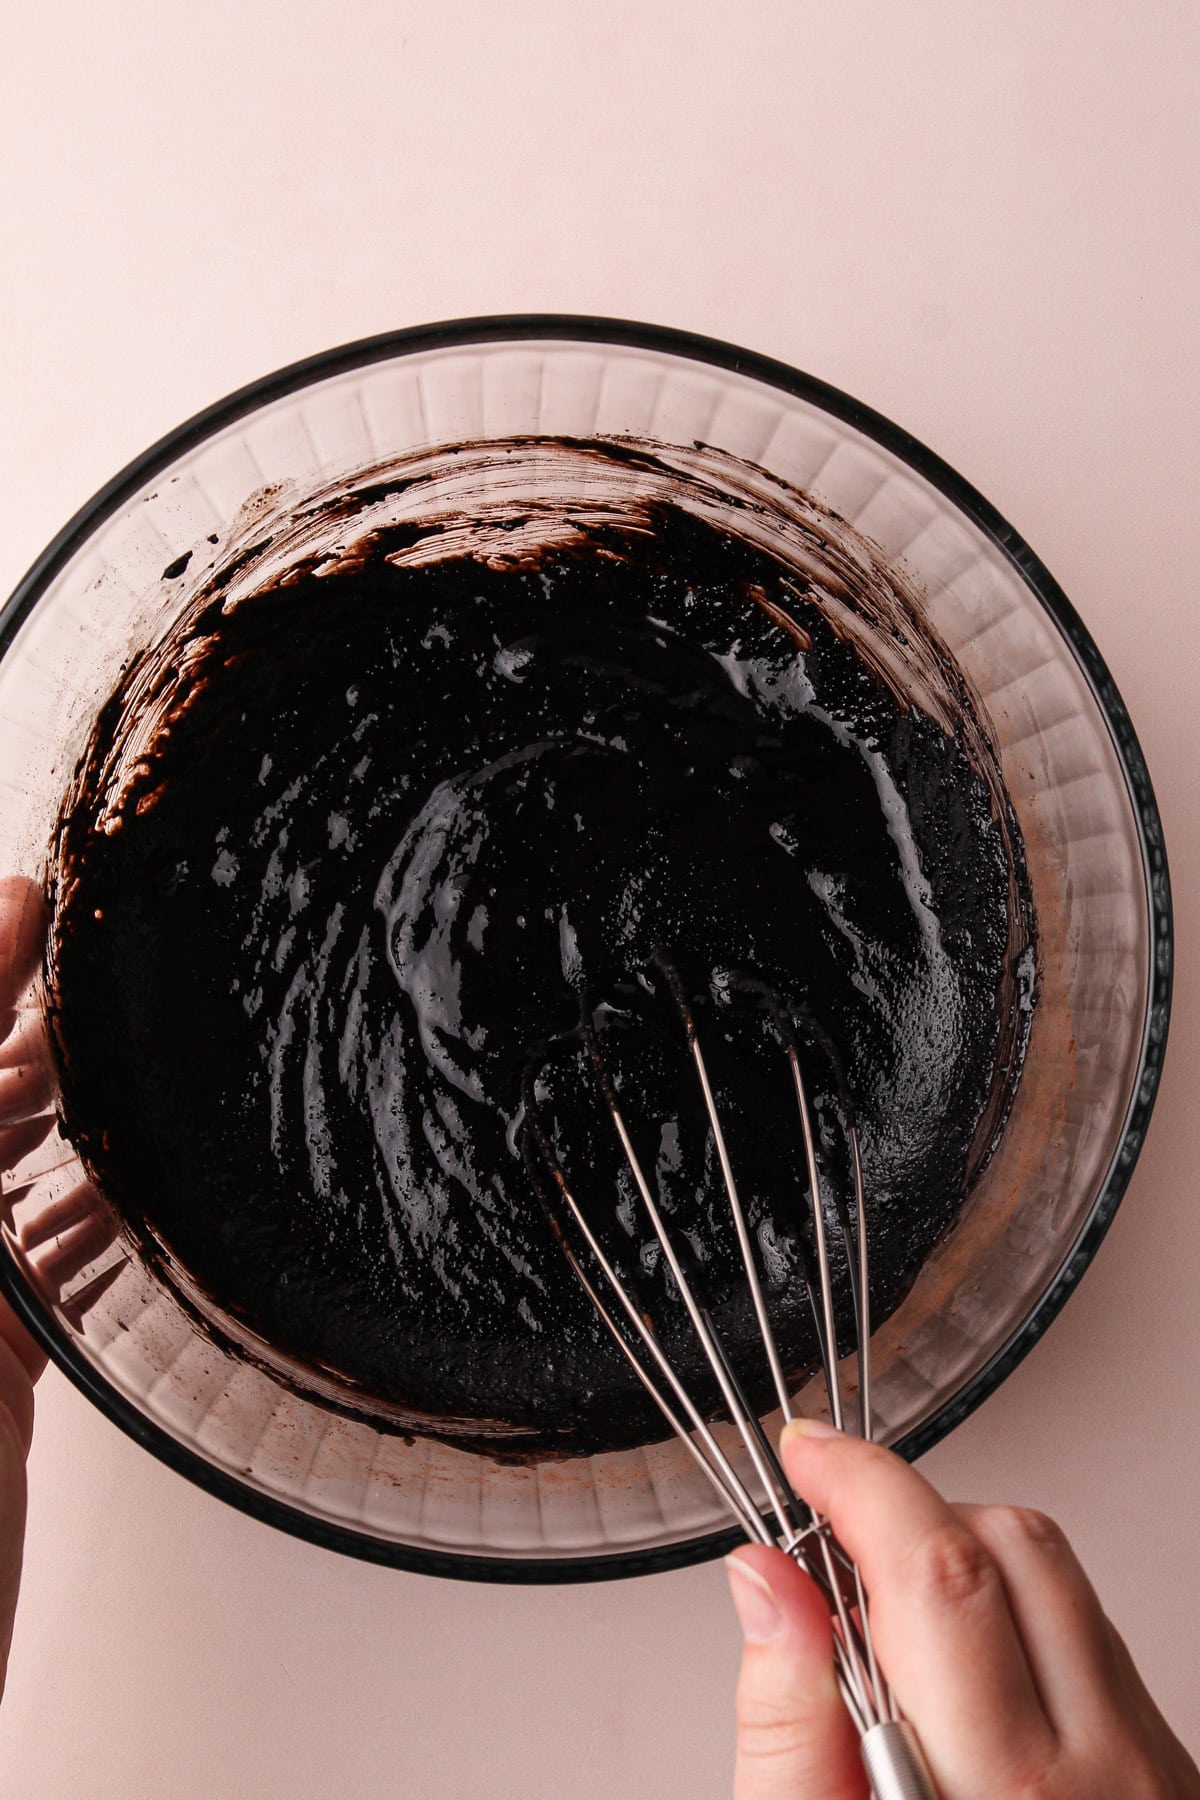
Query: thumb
[795, 1739]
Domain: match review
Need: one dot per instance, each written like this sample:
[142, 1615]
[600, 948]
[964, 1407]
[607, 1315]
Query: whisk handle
[895, 1766]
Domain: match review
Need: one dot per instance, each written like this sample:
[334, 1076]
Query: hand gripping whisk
[891, 1755]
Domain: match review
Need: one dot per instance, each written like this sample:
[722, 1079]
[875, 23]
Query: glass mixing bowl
[271, 1439]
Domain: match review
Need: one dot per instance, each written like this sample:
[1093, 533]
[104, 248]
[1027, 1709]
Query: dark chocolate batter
[391, 828]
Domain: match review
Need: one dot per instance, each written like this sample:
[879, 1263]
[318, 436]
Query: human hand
[24, 1092]
[994, 1642]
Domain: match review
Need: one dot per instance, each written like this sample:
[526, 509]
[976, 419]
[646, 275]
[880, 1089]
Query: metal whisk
[891, 1755]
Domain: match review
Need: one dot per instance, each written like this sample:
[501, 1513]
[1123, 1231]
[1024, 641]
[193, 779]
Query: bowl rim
[581, 328]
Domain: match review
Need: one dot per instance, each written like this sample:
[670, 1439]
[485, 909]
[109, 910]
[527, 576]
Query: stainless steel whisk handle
[891, 1751]
[895, 1766]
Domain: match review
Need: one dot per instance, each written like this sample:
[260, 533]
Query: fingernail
[810, 1428]
[759, 1612]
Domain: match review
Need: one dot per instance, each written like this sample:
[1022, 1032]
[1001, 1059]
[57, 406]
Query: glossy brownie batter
[344, 859]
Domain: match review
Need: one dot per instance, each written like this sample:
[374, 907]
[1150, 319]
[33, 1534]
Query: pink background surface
[980, 219]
